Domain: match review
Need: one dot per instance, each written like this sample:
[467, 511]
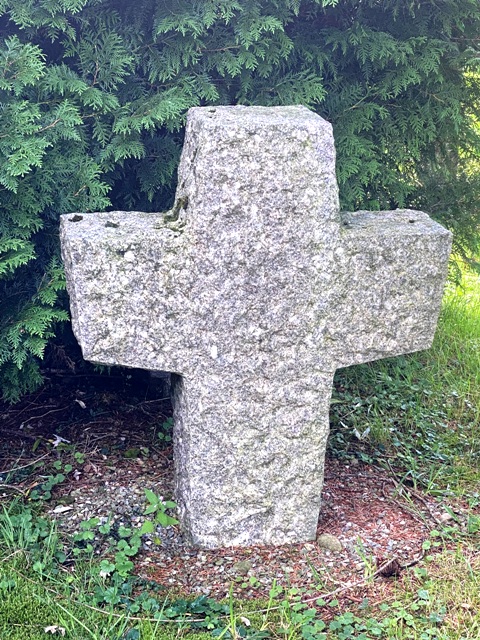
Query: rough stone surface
[253, 289]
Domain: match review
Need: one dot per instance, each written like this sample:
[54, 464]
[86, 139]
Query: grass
[439, 601]
[419, 413]
[454, 361]
[31, 602]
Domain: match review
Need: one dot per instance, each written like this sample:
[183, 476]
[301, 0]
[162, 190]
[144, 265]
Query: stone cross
[252, 290]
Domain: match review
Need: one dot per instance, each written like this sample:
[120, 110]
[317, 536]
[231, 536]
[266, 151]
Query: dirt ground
[119, 424]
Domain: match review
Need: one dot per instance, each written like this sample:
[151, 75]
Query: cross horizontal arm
[392, 267]
[127, 296]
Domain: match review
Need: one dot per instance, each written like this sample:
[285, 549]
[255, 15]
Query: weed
[165, 433]
[368, 560]
[59, 471]
[22, 530]
[158, 508]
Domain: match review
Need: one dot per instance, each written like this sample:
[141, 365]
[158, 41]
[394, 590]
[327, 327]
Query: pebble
[199, 571]
[242, 567]
[446, 517]
[329, 542]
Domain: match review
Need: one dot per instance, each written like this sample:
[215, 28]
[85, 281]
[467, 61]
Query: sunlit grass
[450, 586]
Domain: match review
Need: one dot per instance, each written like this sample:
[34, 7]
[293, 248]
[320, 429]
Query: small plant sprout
[158, 508]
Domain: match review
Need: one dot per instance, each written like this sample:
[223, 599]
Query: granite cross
[252, 290]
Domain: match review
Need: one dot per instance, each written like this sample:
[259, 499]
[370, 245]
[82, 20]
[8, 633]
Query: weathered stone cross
[253, 289]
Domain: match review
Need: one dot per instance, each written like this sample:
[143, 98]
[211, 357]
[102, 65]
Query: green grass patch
[33, 606]
[443, 596]
[438, 601]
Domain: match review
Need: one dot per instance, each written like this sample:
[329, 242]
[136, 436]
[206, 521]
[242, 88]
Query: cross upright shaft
[253, 289]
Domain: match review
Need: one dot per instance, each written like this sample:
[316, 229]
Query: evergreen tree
[93, 97]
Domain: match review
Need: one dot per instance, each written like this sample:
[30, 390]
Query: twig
[49, 126]
[419, 497]
[18, 433]
[401, 505]
[412, 492]
[14, 488]
[42, 416]
[221, 49]
[24, 466]
[349, 587]
[16, 552]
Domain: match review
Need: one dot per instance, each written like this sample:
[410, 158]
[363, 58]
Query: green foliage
[124, 543]
[158, 508]
[165, 433]
[93, 97]
[22, 530]
[58, 475]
